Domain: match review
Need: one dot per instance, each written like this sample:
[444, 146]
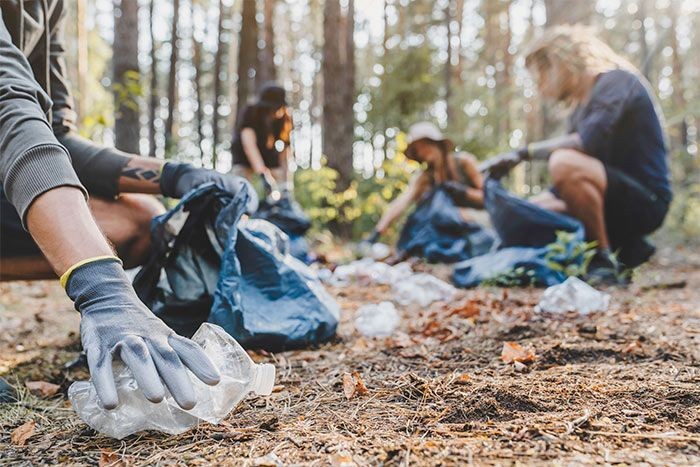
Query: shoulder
[465, 158]
[618, 83]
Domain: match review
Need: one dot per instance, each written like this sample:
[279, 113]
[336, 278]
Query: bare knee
[570, 167]
[127, 224]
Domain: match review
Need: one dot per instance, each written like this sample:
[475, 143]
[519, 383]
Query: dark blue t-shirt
[620, 126]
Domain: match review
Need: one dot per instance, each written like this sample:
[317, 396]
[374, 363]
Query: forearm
[476, 197]
[141, 175]
[541, 150]
[284, 165]
[60, 222]
[393, 212]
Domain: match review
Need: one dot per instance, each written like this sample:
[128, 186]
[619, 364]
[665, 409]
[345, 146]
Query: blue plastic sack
[288, 216]
[437, 232]
[208, 265]
[524, 230]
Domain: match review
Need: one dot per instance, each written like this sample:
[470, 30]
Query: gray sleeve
[32, 161]
[98, 167]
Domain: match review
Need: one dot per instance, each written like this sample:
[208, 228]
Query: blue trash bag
[437, 232]
[288, 216]
[524, 230]
[195, 274]
[269, 299]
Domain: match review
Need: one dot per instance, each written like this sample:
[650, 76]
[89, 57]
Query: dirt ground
[620, 387]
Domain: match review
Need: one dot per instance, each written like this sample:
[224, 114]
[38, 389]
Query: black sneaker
[604, 269]
[7, 392]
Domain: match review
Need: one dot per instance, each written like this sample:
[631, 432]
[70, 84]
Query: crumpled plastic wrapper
[573, 295]
[378, 320]
[368, 271]
[423, 289]
[239, 377]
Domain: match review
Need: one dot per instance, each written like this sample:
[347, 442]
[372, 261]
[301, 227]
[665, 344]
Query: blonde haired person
[610, 169]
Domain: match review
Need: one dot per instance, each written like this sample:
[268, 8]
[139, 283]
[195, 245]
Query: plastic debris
[368, 271]
[377, 320]
[573, 295]
[239, 377]
[423, 289]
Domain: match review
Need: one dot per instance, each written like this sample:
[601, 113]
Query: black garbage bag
[524, 231]
[288, 216]
[437, 232]
[206, 264]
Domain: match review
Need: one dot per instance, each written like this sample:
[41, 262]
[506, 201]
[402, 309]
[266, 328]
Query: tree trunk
[569, 11]
[247, 54]
[268, 71]
[172, 78]
[338, 86]
[644, 61]
[126, 75]
[679, 132]
[199, 95]
[448, 62]
[81, 28]
[154, 103]
[218, 61]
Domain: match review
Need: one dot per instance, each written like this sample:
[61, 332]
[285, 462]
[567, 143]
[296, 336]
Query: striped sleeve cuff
[37, 171]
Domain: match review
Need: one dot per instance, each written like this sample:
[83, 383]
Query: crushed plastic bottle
[423, 289]
[239, 376]
[573, 295]
[377, 320]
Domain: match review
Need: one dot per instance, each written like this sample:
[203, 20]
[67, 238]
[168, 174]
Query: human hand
[177, 179]
[116, 324]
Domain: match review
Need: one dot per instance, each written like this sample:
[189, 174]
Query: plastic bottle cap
[264, 379]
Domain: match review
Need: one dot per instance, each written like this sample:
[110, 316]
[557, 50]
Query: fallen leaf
[109, 458]
[353, 384]
[342, 460]
[514, 352]
[359, 385]
[42, 388]
[348, 385]
[467, 309]
[22, 433]
[463, 379]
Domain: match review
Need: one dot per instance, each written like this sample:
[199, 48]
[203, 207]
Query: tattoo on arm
[141, 173]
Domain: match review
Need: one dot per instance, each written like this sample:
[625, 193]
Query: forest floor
[621, 386]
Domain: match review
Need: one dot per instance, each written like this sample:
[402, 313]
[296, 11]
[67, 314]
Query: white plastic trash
[239, 377]
[378, 320]
[423, 289]
[573, 295]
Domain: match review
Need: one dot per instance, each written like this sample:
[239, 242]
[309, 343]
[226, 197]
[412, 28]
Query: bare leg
[126, 224]
[547, 200]
[581, 182]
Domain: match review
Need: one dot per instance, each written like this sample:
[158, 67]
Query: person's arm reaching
[500, 165]
[399, 205]
[38, 178]
[250, 147]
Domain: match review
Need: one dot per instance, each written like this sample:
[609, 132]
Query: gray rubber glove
[178, 179]
[500, 165]
[116, 324]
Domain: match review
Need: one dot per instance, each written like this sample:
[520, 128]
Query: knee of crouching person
[561, 167]
[140, 209]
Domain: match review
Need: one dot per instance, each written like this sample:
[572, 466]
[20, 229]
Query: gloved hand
[500, 165]
[372, 237]
[116, 324]
[177, 179]
[457, 191]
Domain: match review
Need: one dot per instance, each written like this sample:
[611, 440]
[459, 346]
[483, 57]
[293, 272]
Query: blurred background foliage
[455, 62]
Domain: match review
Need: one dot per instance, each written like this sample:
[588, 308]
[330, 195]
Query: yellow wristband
[66, 275]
